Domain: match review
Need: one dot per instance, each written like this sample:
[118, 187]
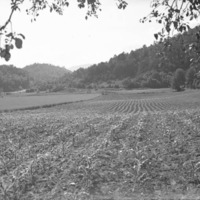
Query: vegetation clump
[178, 80]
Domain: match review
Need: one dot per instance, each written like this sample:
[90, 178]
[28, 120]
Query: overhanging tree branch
[12, 39]
[14, 7]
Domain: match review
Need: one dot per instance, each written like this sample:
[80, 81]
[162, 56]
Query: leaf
[191, 46]
[3, 53]
[197, 36]
[18, 43]
[7, 56]
[156, 36]
[175, 24]
[8, 47]
[20, 34]
[11, 46]
[9, 34]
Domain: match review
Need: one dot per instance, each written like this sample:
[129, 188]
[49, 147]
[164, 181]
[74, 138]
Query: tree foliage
[178, 81]
[176, 17]
[173, 15]
[144, 67]
[41, 73]
[190, 77]
[12, 78]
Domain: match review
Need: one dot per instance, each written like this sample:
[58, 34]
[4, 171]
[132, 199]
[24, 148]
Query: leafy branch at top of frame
[175, 16]
[36, 6]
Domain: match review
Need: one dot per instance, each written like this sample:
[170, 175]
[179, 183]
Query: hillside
[74, 68]
[147, 67]
[12, 78]
[41, 73]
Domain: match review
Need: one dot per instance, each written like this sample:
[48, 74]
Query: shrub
[58, 88]
[30, 90]
[190, 76]
[130, 84]
[178, 80]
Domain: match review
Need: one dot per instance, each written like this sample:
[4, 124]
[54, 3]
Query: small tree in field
[190, 76]
[178, 80]
[1, 92]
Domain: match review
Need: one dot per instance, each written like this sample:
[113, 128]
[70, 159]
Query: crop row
[136, 106]
[100, 147]
[57, 152]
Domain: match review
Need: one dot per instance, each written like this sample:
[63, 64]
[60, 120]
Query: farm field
[116, 146]
[31, 101]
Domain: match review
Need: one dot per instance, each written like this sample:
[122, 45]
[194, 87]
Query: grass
[106, 148]
[23, 102]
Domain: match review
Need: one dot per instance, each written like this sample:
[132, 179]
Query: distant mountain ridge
[74, 68]
[45, 72]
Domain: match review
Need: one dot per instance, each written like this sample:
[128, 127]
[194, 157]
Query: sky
[70, 40]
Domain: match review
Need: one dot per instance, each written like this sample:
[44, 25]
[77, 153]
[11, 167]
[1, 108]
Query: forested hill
[149, 67]
[41, 73]
[145, 67]
[12, 78]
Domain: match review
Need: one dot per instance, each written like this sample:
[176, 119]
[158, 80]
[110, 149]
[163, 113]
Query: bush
[116, 86]
[58, 88]
[153, 83]
[178, 80]
[196, 84]
[190, 76]
[130, 84]
[30, 90]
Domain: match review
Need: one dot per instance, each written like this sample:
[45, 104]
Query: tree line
[147, 67]
[156, 66]
[13, 79]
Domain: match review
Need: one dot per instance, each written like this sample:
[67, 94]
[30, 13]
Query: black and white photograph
[99, 100]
